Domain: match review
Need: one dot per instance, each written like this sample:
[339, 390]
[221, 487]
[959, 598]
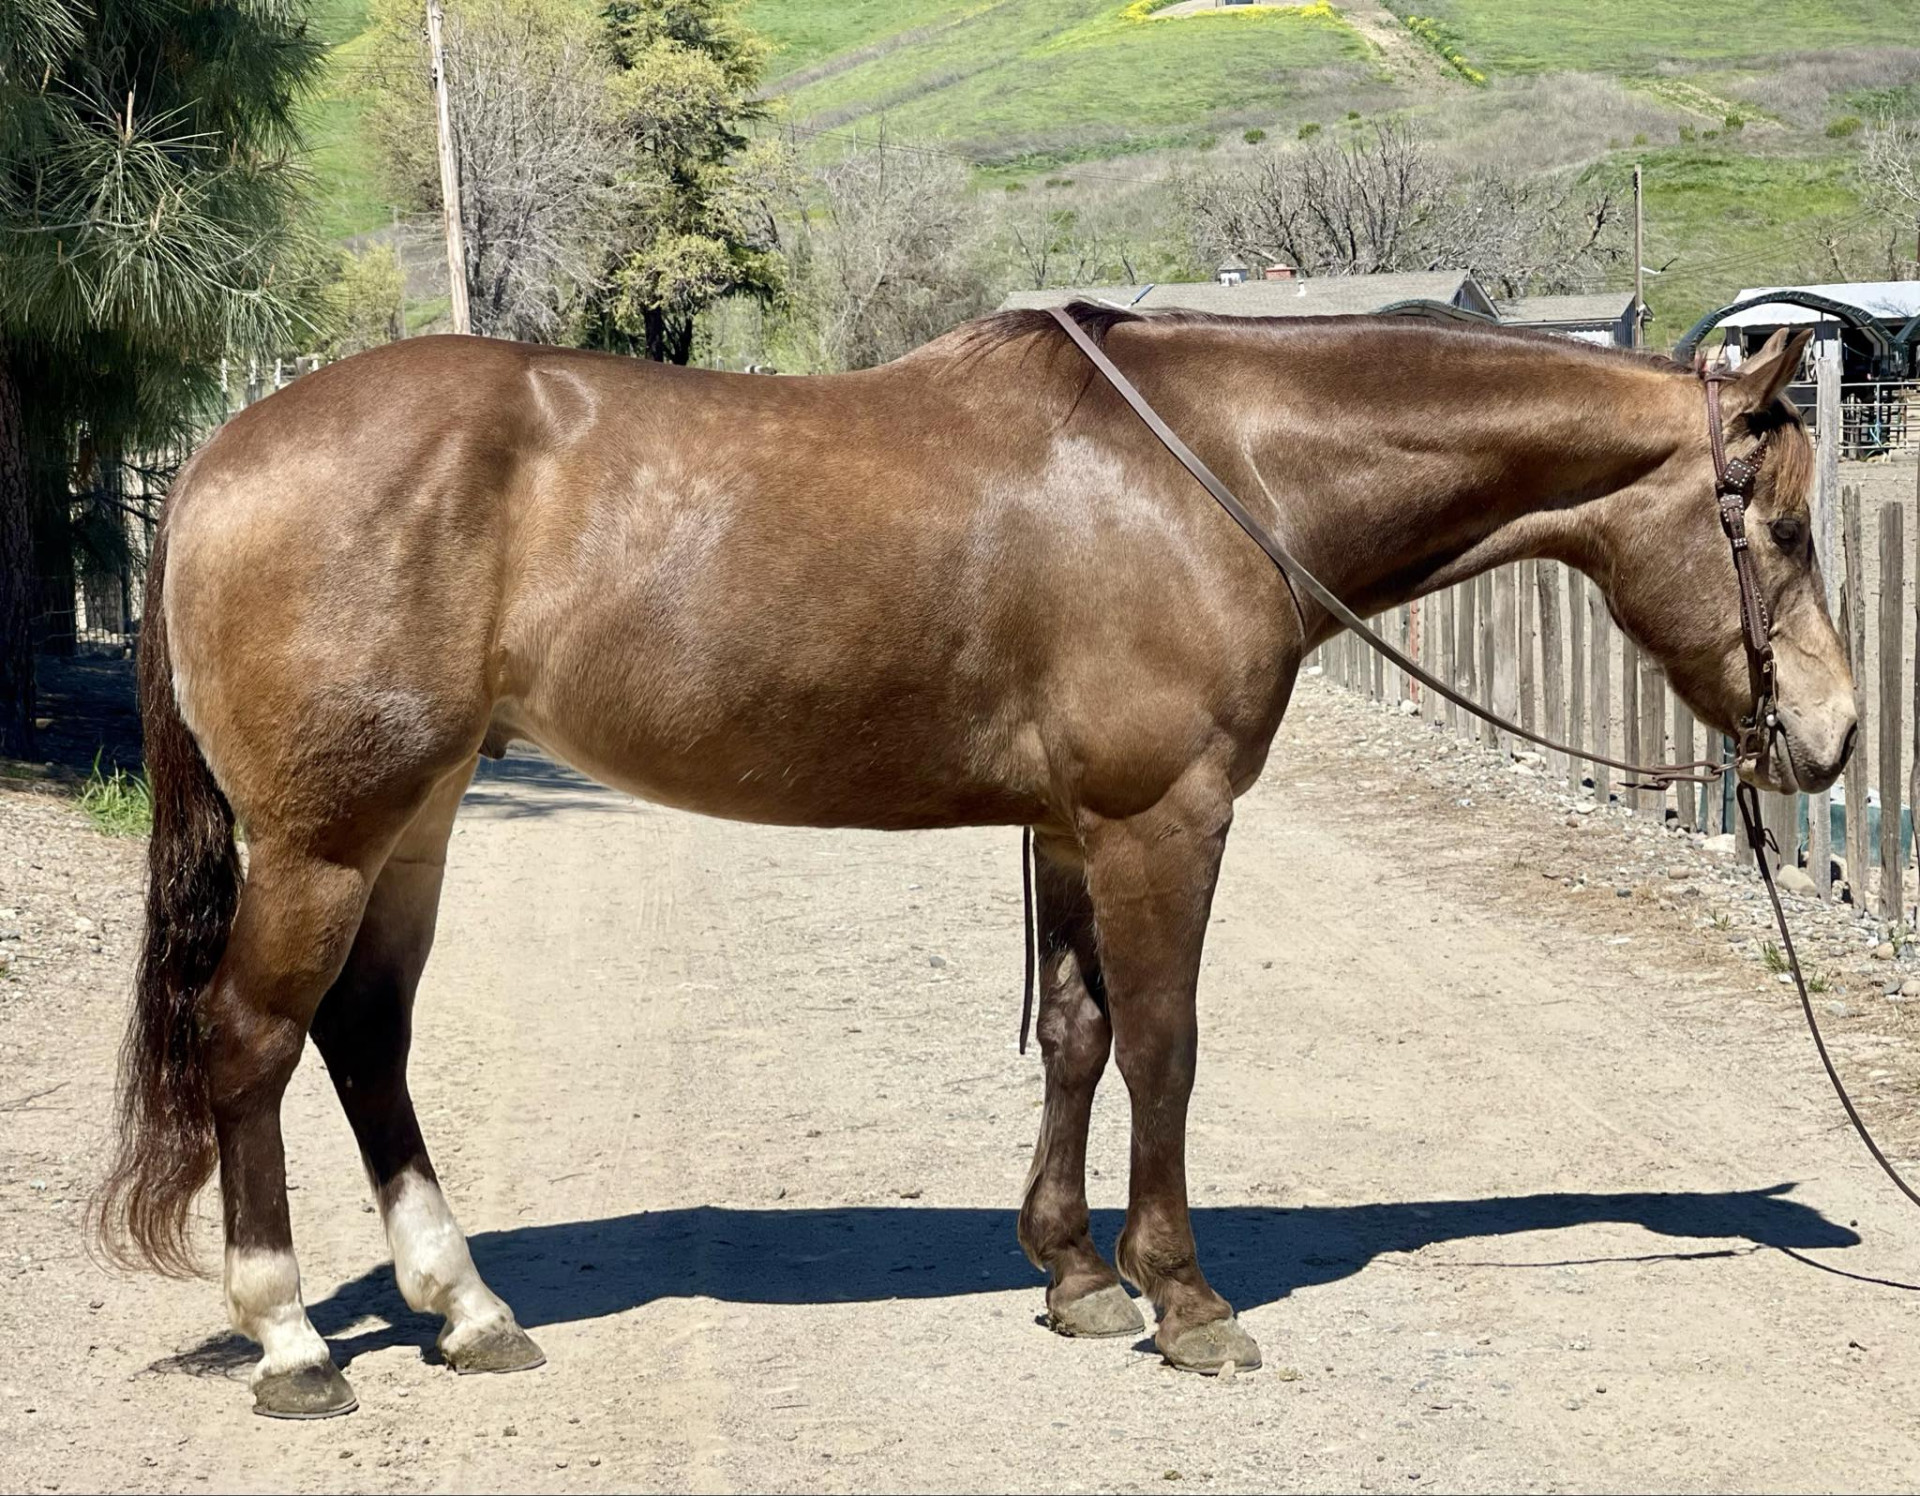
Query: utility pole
[450, 178]
[1639, 265]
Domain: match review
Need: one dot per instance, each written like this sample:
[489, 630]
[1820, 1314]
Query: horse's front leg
[1084, 1296]
[1152, 878]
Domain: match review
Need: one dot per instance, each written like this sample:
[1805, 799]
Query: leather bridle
[1733, 483]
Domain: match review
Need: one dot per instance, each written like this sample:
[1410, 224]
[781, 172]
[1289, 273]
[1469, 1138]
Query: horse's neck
[1483, 451]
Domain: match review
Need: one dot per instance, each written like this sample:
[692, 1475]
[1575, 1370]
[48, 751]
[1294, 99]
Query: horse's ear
[1771, 370]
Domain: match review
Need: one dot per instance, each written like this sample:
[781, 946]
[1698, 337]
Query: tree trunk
[16, 575]
[669, 339]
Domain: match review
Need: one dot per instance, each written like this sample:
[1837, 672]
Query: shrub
[1309, 130]
[1686, 132]
[1353, 114]
[1847, 124]
[1640, 137]
[1734, 122]
[1441, 41]
[1256, 135]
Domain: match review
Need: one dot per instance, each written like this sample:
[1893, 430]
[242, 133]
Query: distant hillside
[1055, 79]
[1741, 110]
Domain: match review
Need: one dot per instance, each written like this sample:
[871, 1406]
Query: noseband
[1733, 484]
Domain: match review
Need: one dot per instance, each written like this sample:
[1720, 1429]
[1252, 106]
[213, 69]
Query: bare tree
[537, 153]
[536, 170]
[1890, 178]
[1385, 200]
[892, 258]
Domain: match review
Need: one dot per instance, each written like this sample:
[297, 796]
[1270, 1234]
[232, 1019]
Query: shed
[1604, 317]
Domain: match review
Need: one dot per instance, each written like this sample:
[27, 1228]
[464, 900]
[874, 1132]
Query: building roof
[1312, 296]
[1884, 301]
[1597, 309]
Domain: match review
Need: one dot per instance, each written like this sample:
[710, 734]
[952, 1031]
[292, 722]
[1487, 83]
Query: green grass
[1059, 79]
[805, 32]
[118, 804]
[1635, 36]
[347, 198]
[1720, 217]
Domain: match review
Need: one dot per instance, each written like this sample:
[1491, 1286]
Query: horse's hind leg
[363, 1030]
[1084, 1296]
[296, 916]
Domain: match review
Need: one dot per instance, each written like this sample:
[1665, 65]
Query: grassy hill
[1055, 79]
[1737, 108]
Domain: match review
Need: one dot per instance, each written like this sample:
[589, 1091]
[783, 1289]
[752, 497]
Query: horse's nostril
[1846, 748]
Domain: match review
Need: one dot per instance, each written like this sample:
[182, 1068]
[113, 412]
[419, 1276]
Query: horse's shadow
[1255, 1255]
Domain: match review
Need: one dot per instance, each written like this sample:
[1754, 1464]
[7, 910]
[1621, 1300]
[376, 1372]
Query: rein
[1733, 491]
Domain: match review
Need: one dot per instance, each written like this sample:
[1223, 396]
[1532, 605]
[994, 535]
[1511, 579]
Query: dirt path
[1511, 1201]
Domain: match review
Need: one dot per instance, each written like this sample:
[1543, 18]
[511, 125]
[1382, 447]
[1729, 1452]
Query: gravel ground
[1523, 1182]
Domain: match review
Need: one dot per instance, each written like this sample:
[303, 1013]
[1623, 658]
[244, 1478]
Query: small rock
[1883, 951]
[1723, 845]
[1409, 709]
[1621, 891]
[936, 960]
[82, 923]
[1584, 807]
[1794, 880]
[1910, 987]
[1839, 1010]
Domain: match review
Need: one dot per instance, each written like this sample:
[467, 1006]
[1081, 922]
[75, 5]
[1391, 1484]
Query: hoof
[1209, 1348]
[305, 1392]
[498, 1347]
[1100, 1315]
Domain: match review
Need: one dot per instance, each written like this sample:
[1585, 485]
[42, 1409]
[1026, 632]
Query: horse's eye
[1788, 533]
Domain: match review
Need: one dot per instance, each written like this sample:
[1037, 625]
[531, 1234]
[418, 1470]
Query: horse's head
[1674, 586]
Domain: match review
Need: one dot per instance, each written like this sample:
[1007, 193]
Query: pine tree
[699, 194]
[149, 196]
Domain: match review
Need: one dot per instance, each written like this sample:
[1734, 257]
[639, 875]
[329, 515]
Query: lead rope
[1658, 776]
[1761, 840]
[1026, 896]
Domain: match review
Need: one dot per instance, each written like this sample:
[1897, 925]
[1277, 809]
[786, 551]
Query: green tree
[699, 198]
[148, 202]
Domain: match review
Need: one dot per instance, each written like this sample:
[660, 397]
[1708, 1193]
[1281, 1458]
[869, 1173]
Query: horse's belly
[743, 753]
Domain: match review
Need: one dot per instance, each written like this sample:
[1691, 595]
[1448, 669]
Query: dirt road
[1516, 1191]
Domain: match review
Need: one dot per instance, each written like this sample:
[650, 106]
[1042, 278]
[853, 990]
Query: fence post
[1443, 627]
[1489, 667]
[1853, 633]
[1685, 795]
[1468, 651]
[1892, 617]
[1526, 579]
[1600, 722]
[1630, 715]
[1577, 675]
[1827, 441]
[1913, 782]
[1378, 689]
[1553, 704]
[1653, 731]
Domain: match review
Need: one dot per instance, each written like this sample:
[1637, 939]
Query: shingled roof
[1313, 296]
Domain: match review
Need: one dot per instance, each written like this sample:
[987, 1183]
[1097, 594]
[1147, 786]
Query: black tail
[166, 1146]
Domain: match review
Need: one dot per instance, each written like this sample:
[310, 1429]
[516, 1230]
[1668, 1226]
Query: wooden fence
[1535, 642]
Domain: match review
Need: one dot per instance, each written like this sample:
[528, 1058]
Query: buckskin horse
[967, 588]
